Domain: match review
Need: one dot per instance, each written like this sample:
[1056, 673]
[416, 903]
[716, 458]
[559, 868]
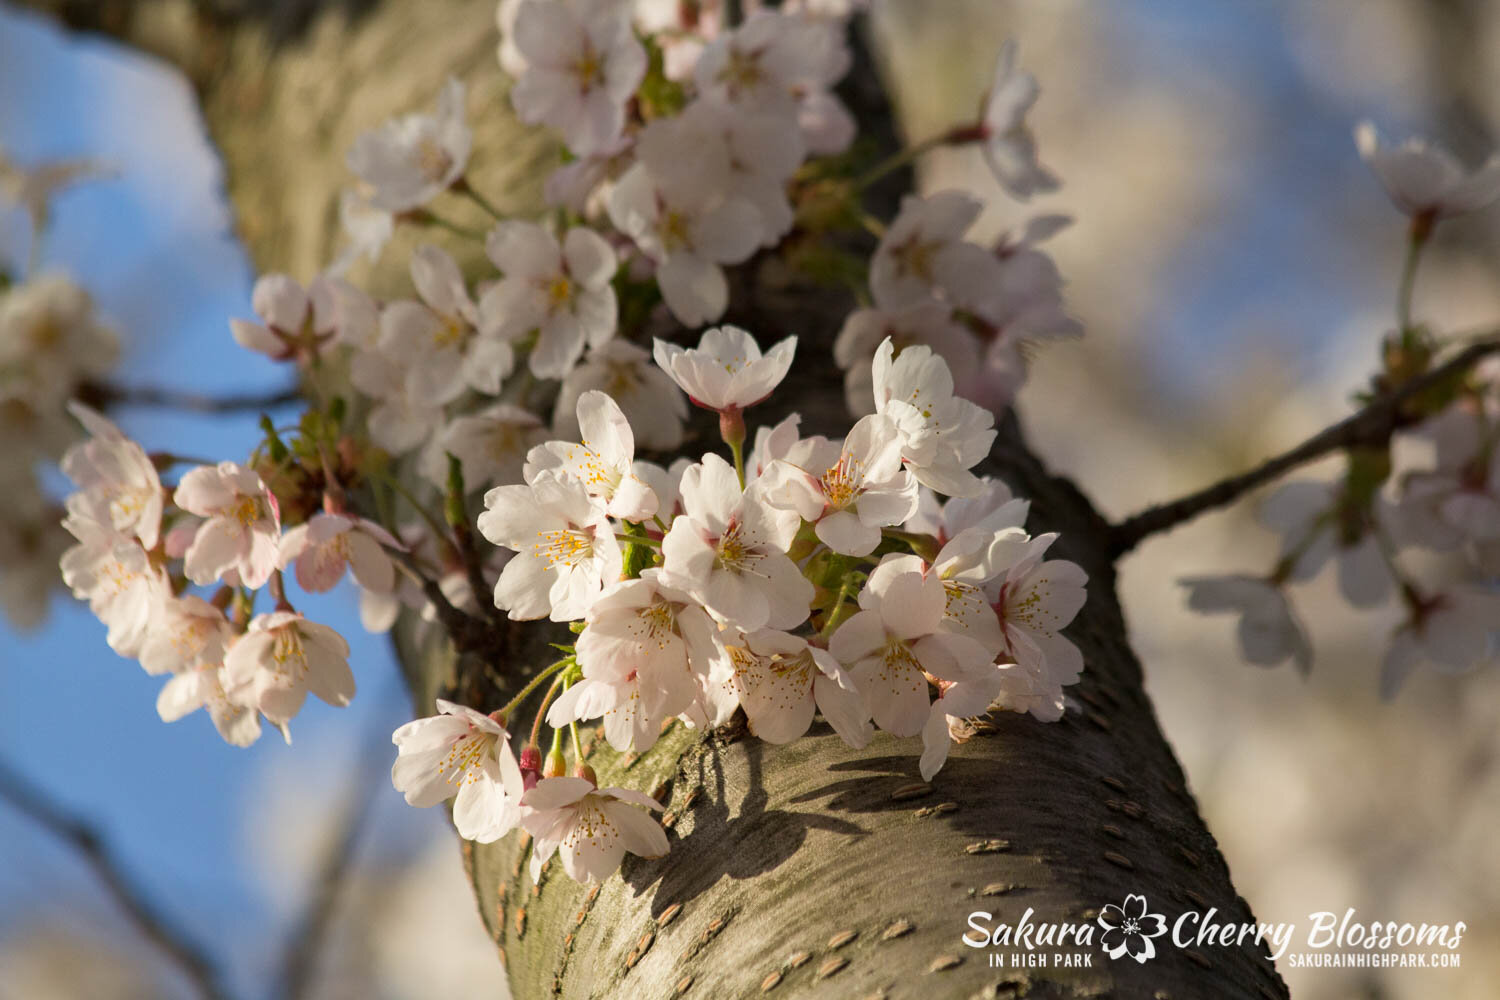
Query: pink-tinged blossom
[601, 462]
[779, 680]
[1007, 144]
[560, 291]
[1425, 179]
[410, 160]
[1035, 598]
[117, 478]
[849, 491]
[892, 646]
[463, 755]
[283, 657]
[729, 552]
[328, 544]
[590, 828]
[647, 396]
[289, 316]
[959, 701]
[726, 371]
[242, 530]
[583, 63]
[566, 551]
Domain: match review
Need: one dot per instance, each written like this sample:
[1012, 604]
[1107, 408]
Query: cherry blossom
[441, 342]
[187, 634]
[463, 755]
[928, 322]
[400, 419]
[563, 292]
[242, 529]
[960, 700]
[589, 828]
[1035, 598]
[639, 653]
[849, 491]
[726, 371]
[203, 687]
[647, 396]
[281, 658]
[602, 462]
[1008, 145]
[490, 444]
[897, 640]
[116, 477]
[51, 339]
[1318, 522]
[565, 547]
[1269, 633]
[582, 64]
[117, 578]
[1426, 180]
[923, 255]
[729, 552]
[290, 316]
[688, 228]
[782, 681]
[942, 436]
[1453, 631]
[327, 544]
[410, 160]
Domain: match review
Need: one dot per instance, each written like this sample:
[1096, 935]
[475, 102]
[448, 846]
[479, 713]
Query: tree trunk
[803, 870]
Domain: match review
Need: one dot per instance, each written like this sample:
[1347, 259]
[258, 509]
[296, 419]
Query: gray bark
[805, 870]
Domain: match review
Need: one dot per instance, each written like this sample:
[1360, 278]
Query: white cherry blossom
[784, 679]
[942, 436]
[849, 491]
[117, 478]
[283, 657]
[187, 634]
[1008, 145]
[399, 420]
[959, 701]
[923, 255]
[602, 462]
[203, 687]
[117, 578]
[412, 159]
[566, 551]
[441, 342]
[1425, 179]
[688, 228]
[1318, 522]
[51, 339]
[1453, 631]
[1269, 633]
[726, 371]
[729, 552]
[490, 444]
[463, 755]
[242, 526]
[897, 640]
[583, 63]
[1035, 598]
[589, 828]
[562, 291]
[927, 322]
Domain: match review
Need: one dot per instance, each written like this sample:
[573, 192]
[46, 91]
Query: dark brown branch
[194, 962]
[102, 395]
[1370, 426]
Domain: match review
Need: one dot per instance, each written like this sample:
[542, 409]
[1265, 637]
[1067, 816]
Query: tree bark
[804, 870]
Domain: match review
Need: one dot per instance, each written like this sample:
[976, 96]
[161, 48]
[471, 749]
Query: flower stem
[533, 684]
[541, 712]
[461, 186]
[1421, 229]
[957, 135]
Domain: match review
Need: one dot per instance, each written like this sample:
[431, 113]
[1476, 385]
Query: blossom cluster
[809, 576]
[1387, 507]
[876, 580]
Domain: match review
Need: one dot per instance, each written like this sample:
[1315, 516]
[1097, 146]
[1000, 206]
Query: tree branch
[102, 395]
[1372, 425]
[195, 963]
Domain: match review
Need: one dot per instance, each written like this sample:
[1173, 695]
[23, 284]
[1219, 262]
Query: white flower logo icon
[1128, 929]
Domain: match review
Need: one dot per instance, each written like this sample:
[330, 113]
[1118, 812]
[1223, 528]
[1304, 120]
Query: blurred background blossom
[1234, 264]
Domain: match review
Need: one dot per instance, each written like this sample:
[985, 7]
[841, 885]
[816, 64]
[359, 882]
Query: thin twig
[104, 394]
[188, 956]
[1372, 425]
[306, 942]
